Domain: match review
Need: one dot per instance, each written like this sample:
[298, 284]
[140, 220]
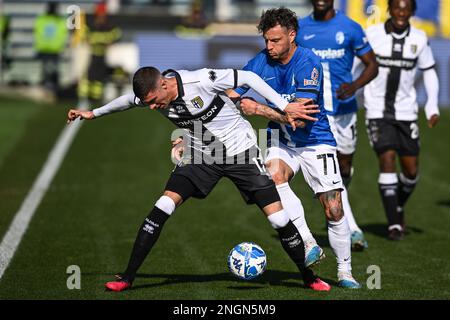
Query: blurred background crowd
[88, 49]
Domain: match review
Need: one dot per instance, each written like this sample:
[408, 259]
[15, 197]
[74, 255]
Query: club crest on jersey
[414, 48]
[314, 78]
[198, 102]
[340, 37]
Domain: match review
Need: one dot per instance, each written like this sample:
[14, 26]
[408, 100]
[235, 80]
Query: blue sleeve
[250, 66]
[360, 44]
[309, 81]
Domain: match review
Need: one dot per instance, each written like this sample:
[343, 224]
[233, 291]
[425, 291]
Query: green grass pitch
[116, 170]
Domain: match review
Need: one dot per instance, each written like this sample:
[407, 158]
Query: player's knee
[410, 173]
[170, 197]
[387, 162]
[334, 213]
[265, 197]
[332, 204]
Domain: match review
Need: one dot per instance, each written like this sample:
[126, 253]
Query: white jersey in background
[391, 95]
[211, 120]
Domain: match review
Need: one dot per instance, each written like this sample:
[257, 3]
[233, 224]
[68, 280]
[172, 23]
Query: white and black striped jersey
[391, 94]
[211, 120]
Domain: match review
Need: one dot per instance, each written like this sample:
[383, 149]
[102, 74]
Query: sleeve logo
[314, 78]
[212, 75]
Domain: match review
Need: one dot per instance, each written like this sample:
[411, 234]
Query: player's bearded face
[279, 41]
[401, 12]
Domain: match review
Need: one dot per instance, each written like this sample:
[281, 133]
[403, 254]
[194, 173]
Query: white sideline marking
[22, 219]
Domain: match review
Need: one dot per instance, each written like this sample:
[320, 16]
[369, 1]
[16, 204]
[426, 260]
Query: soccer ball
[247, 260]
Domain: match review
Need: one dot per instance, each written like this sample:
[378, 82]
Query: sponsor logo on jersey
[398, 63]
[198, 102]
[288, 97]
[308, 36]
[330, 53]
[340, 37]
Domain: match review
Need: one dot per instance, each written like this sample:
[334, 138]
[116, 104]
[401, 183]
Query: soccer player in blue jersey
[336, 39]
[296, 73]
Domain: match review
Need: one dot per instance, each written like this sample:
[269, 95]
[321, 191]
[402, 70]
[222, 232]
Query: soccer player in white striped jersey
[392, 109]
[221, 144]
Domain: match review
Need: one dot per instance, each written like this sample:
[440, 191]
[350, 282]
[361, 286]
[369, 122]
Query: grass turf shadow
[270, 277]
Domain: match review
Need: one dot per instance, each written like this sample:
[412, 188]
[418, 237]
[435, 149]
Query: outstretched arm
[119, 104]
[251, 107]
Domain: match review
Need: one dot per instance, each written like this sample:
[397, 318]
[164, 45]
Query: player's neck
[325, 15]
[289, 55]
[173, 88]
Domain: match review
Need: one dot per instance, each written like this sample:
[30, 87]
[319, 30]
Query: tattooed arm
[251, 107]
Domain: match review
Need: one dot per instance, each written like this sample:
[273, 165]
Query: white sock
[294, 209]
[166, 204]
[339, 237]
[348, 212]
[278, 219]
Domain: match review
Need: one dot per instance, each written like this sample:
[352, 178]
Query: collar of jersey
[180, 88]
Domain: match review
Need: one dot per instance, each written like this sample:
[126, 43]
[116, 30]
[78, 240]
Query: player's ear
[292, 35]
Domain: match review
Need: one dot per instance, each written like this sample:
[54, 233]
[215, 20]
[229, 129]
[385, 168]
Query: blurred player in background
[223, 144]
[336, 39]
[50, 38]
[100, 35]
[296, 73]
[392, 110]
[5, 23]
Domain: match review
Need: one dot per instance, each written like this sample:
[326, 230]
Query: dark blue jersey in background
[300, 78]
[336, 42]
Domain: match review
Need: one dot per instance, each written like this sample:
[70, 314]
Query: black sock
[389, 196]
[292, 243]
[147, 236]
[405, 189]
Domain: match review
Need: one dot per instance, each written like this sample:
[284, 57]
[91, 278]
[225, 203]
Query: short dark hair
[413, 5]
[145, 80]
[282, 16]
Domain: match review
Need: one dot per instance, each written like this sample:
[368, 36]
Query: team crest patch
[198, 102]
[340, 37]
[414, 48]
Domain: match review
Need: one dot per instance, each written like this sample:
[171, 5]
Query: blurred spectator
[100, 35]
[4, 34]
[50, 36]
[247, 9]
[196, 18]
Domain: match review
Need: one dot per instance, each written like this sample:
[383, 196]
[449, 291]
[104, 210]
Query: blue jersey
[300, 78]
[336, 42]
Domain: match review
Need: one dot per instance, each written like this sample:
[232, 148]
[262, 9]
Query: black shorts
[401, 136]
[251, 179]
